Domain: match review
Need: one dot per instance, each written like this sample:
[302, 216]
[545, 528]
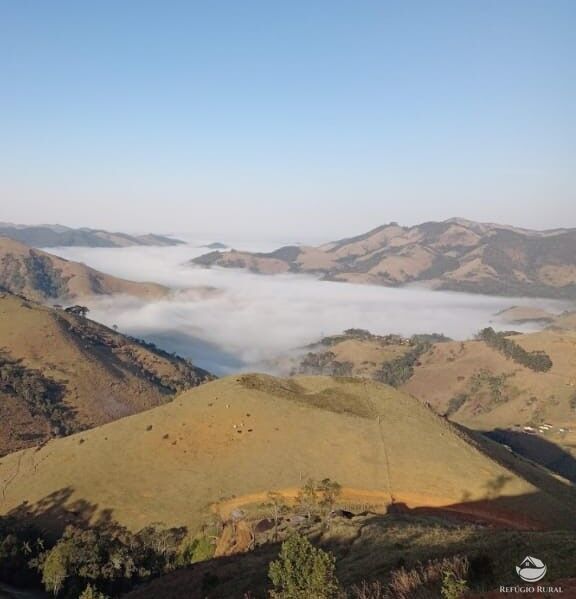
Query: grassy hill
[42, 276]
[456, 254]
[473, 383]
[61, 373]
[57, 235]
[222, 446]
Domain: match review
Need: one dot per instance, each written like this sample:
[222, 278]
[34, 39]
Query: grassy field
[238, 437]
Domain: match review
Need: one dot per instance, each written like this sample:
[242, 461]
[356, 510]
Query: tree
[278, 506]
[330, 491]
[303, 571]
[55, 569]
[307, 497]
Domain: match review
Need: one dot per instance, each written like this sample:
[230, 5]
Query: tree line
[539, 361]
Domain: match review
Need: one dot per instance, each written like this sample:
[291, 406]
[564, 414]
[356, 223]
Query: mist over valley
[233, 320]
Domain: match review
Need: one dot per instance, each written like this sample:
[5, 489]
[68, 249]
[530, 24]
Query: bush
[452, 586]
[198, 550]
[91, 592]
[303, 571]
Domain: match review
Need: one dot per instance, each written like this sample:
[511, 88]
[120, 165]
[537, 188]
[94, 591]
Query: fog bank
[227, 320]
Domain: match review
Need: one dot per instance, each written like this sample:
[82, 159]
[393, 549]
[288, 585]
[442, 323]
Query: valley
[439, 441]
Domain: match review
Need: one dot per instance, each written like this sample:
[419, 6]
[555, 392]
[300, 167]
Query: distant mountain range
[58, 235]
[455, 254]
[44, 277]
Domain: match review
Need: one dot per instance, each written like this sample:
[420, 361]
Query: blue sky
[287, 119]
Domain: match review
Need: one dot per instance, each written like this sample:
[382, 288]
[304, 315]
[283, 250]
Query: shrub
[199, 550]
[91, 592]
[452, 586]
[303, 571]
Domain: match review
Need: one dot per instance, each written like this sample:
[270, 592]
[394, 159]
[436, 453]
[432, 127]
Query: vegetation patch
[538, 361]
[397, 372]
[43, 396]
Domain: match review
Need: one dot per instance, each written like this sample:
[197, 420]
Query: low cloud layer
[227, 320]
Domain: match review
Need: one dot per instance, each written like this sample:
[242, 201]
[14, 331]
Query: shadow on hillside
[538, 450]
[202, 353]
[56, 511]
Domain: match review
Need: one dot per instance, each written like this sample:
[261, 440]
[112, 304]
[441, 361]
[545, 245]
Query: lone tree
[303, 571]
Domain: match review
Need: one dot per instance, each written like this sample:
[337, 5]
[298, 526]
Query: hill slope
[61, 373]
[58, 235]
[456, 254]
[42, 276]
[472, 383]
[223, 445]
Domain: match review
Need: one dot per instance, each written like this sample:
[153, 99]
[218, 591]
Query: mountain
[44, 236]
[218, 449]
[45, 277]
[61, 373]
[456, 254]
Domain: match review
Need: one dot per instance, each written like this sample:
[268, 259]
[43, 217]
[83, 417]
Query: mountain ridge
[59, 235]
[455, 255]
[45, 277]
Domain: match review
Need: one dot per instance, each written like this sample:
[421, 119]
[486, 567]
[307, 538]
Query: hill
[61, 373]
[44, 236]
[472, 383]
[44, 277]
[456, 255]
[222, 446]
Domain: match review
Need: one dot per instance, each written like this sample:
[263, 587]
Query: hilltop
[456, 254]
[45, 277]
[222, 446]
[61, 373]
[44, 236]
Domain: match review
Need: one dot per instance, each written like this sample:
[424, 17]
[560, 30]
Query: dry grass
[237, 438]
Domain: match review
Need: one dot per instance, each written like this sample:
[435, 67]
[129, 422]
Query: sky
[291, 120]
